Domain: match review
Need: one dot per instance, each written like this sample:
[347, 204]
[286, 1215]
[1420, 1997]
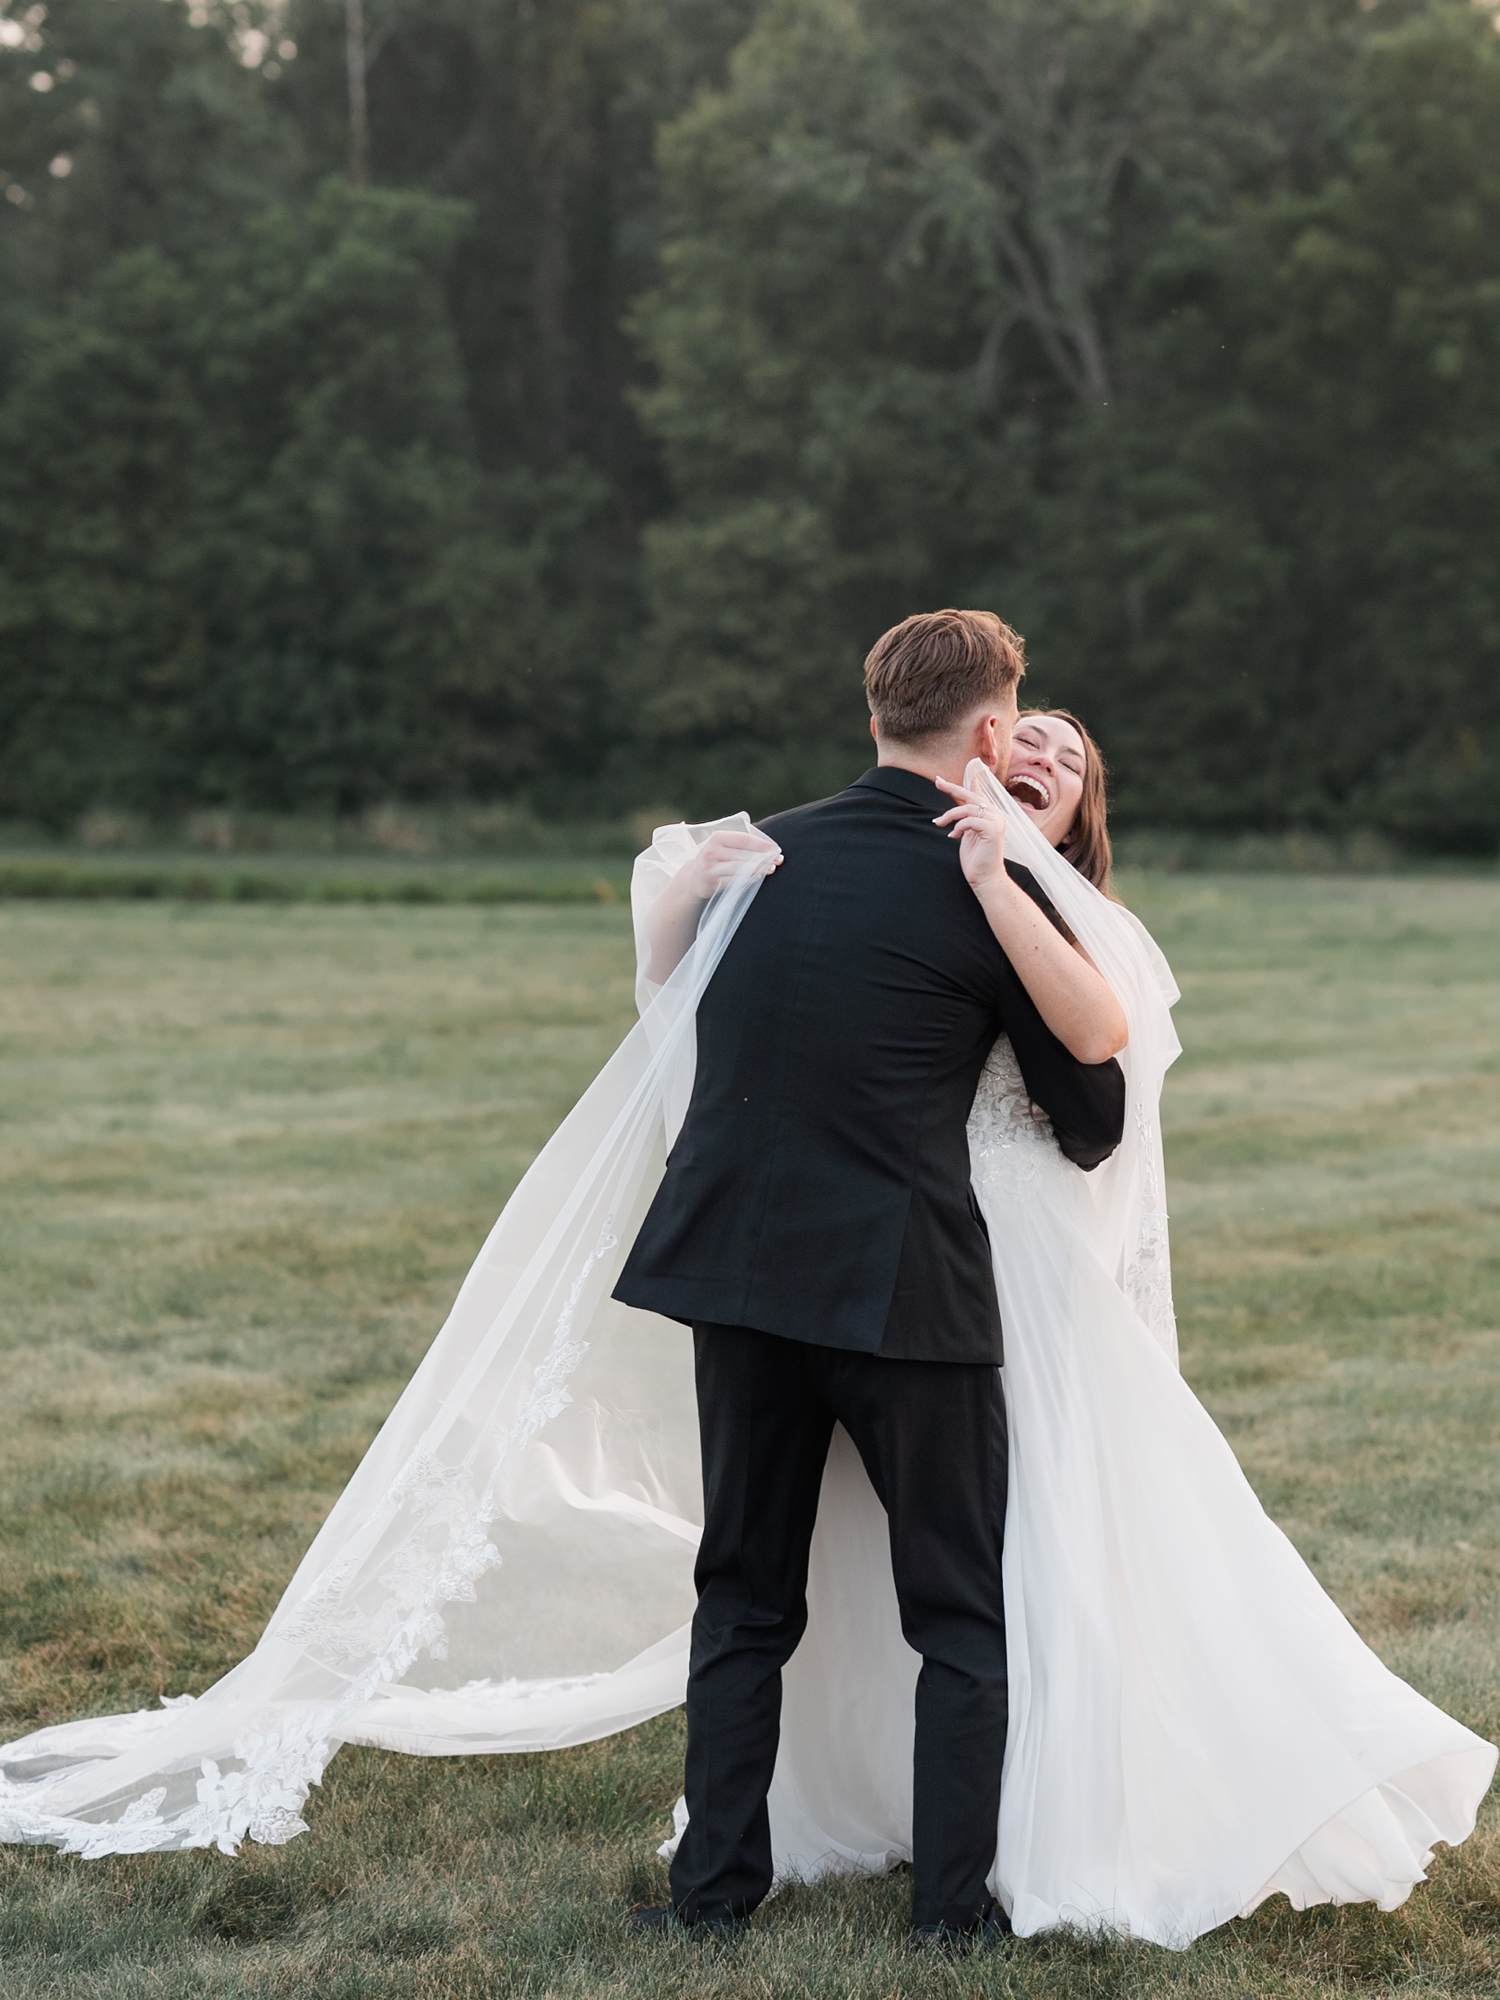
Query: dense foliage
[680, 345]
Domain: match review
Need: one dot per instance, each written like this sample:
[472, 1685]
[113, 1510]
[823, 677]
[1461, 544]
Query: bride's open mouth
[1028, 790]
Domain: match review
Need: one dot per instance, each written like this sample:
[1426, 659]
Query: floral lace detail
[446, 1550]
[438, 1561]
[1148, 1275]
[444, 1545]
[1009, 1136]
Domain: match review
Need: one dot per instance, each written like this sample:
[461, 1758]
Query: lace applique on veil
[438, 1560]
[1148, 1275]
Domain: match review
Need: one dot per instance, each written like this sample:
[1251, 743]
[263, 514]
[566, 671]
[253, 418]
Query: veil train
[510, 1565]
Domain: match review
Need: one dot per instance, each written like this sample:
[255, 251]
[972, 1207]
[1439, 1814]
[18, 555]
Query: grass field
[248, 1152]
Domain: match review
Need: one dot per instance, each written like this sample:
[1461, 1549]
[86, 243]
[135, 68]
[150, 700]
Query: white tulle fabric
[1194, 1724]
[510, 1567]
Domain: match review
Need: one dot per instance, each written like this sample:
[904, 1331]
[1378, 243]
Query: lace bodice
[1010, 1138]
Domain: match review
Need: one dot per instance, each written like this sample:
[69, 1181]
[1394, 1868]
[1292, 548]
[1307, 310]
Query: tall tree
[542, 119]
[249, 554]
[900, 242]
[121, 124]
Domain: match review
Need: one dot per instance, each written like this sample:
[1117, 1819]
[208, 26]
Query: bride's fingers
[734, 865]
[732, 850]
[730, 863]
[971, 814]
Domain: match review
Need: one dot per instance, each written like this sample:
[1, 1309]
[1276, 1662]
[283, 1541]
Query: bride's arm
[671, 924]
[1072, 997]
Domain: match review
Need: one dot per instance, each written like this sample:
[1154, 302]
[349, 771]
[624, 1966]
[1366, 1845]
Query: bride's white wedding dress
[1194, 1725]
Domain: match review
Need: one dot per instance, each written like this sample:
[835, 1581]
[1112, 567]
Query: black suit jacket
[819, 1187]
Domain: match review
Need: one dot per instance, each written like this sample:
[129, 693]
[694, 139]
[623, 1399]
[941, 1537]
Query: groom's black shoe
[947, 1941]
[663, 1918]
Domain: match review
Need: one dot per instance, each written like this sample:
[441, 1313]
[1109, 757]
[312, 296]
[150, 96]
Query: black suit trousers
[933, 1439]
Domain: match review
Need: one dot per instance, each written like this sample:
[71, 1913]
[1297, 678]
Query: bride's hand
[722, 859]
[978, 825]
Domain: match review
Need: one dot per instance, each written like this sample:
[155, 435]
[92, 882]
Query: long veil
[510, 1566]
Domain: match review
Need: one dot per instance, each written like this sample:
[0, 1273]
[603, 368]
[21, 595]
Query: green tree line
[676, 347]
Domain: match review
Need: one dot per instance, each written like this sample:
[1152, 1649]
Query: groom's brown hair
[929, 672]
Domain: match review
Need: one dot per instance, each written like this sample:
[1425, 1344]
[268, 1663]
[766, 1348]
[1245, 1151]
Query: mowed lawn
[248, 1152]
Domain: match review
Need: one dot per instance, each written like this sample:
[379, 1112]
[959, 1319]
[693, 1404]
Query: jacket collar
[906, 785]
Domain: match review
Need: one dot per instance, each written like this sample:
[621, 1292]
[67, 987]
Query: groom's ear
[874, 729]
[993, 746]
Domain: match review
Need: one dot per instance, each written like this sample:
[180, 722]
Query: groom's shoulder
[816, 812]
[876, 797]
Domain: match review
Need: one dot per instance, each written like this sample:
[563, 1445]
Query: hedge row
[49, 880]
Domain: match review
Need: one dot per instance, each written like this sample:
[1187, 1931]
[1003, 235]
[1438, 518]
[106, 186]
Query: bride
[1194, 1725]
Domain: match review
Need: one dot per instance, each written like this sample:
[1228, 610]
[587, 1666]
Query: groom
[817, 1229]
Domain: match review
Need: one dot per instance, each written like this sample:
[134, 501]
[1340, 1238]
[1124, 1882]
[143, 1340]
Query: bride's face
[1045, 778]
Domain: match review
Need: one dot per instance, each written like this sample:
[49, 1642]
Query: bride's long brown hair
[1087, 844]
